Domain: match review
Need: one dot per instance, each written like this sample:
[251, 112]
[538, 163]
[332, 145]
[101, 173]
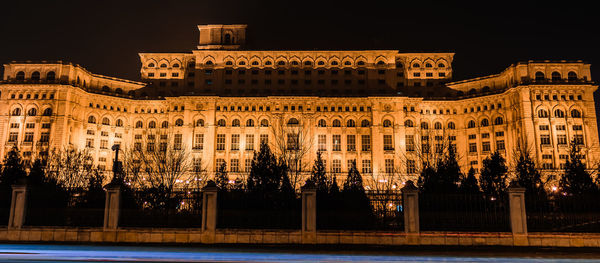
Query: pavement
[129, 253]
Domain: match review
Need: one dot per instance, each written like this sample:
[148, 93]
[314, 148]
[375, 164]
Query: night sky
[105, 36]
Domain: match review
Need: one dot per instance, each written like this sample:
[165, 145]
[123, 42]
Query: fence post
[18, 206]
[410, 204]
[518, 216]
[209, 212]
[309, 213]
[112, 206]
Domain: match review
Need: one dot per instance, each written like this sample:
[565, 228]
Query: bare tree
[70, 167]
[293, 141]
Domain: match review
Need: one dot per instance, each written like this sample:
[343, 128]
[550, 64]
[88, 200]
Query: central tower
[221, 36]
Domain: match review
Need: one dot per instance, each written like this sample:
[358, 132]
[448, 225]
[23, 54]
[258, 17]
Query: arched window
[472, 91]
[51, 76]
[322, 123]
[164, 124]
[105, 121]
[336, 123]
[264, 123]
[381, 63]
[307, 63]
[176, 65]
[235, 123]
[281, 63]
[416, 65]
[295, 63]
[163, 65]
[350, 123]
[485, 89]
[91, 119]
[118, 91]
[139, 124]
[360, 63]
[485, 123]
[227, 39]
[498, 121]
[152, 124]
[20, 75]
[539, 76]
[334, 63]
[47, 112]
[428, 65]
[35, 75]
[365, 123]
[441, 65]
[293, 122]
[542, 113]
[250, 123]
[556, 76]
[437, 126]
[572, 76]
[119, 123]
[424, 125]
[32, 112]
[451, 125]
[221, 123]
[471, 124]
[200, 123]
[575, 114]
[387, 123]
[179, 122]
[229, 63]
[105, 89]
[409, 123]
[559, 113]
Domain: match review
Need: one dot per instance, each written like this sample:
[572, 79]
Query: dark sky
[105, 36]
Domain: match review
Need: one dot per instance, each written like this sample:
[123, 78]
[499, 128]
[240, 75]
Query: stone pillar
[309, 213]
[112, 207]
[18, 206]
[209, 212]
[518, 217]
[410, 205]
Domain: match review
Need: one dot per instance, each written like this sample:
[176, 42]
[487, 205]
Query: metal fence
[559, 213]
[181, 209]
[240, 209]
[71, 207]
[463, 212]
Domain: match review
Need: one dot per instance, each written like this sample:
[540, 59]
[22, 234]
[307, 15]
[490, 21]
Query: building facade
[387, 111]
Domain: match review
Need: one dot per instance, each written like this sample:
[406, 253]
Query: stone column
[309, 213]
[209, 212]
[112, 206]
[518, 217]
[410, 205]
[18, 206]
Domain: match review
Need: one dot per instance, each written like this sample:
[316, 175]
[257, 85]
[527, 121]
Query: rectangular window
[219, 162]
[235, 142]
[411, 167]
[28, 137]
[410, 143]
[103, 144]
[45, 137]
[199, 142]
[336, 166]
[485, 135]
[220, 142]
[247, 165]
[197, 165]
[578, 139]
[547, 156]
[544, 127]
[14, 125]
[90, 132]
[577, 127]
[150, 146]
[322, 142]
[249, 142]
[472, 136]
[547, 166]
[264, 139]
[89, 143]
[500, 145]
[234, 165]
[500, 134]
[350, 162]
[472, 147]
[104, 133]
[366, 166]
[351, 143]
[178, 140]
[439, 148]
[388, 144]
[561, 139]
[545, 139]
[30, 125]
[560, 127]
[366, 143]
[389, 166]
[293, 141]
[336, 142]
[485, 147]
